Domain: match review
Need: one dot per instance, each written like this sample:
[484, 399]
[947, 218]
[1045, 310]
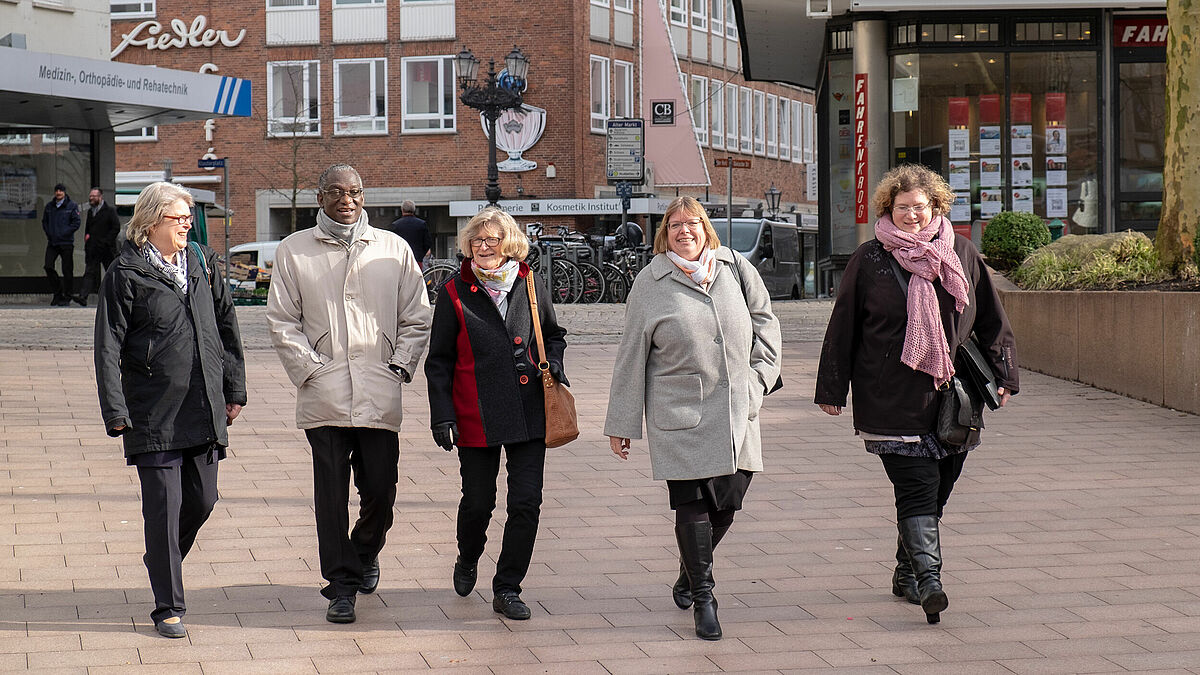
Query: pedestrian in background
[893, 339]
[485, 394]
[99, 242]
[414, 231]
[171, 377]
[700, 349]
[349, 317]
[60, 220]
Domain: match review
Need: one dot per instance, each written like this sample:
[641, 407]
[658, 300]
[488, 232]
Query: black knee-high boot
[904, 583]
[696, 551]
[920, 537]
[681, 592]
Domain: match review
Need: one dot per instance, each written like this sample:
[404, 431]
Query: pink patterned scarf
[928, 254]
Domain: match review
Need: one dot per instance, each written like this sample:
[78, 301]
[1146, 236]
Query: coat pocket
[675, 401]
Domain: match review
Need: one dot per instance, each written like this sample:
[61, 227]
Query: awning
[672, 149]
[780, 42]
[42, 90]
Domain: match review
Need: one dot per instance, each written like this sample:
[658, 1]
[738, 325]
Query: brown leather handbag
[562, 423]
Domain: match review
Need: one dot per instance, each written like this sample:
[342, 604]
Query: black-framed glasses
[186, 219]
[492, 242]
[338, 193]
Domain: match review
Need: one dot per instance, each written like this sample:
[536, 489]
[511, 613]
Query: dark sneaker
[341, 609]
[510, 605]
[464, 577]
[370, 576]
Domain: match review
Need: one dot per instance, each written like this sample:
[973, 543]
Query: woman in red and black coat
[485, 392]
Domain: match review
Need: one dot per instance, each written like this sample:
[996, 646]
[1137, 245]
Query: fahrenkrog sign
[150, 34]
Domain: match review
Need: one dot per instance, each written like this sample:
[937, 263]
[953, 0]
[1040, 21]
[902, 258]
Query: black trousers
[66, 285]
[176, 501]
[91, 272]
[372, 455]
[479, 467]
[922, 485]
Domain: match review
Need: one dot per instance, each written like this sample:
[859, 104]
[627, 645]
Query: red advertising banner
[960, 111]
[1056, 107]
[1021, 108]
[1142, 32]
[860, 148]
[989, 109]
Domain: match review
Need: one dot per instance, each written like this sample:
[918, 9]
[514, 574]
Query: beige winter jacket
[339, 317]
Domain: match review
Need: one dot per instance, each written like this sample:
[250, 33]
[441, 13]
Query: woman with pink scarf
[907, 299]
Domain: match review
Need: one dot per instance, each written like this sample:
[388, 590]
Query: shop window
[958, 33]
[1054, 31]
[1141, 118]
[428, 93]
[293, 105]
[699, 105]
[140, 9]
[717, 87]
[622, 89]
[772, 126]
[360, 96]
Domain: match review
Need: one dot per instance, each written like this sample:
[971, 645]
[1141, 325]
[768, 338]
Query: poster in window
[18, 192]
[1056, 107]
[1021, 108]
[960, 211]
[990, 202]
[1056, 140]
[1023, 200]
[904, 94]
[1022, 171]
[1022, 139]
[989, 140]
[990, 173]
[989, 109]
[1056, 170]
[959, 111]
[960, 174]
[960, 143]
[1056, 202]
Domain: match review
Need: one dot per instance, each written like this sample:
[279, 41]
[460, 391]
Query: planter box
[1142, 344]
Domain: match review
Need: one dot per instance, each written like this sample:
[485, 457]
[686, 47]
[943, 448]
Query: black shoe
[60, 301]
[341, 609]
[464, 577]
[509, 604]
[170, 630]
[370, 576]
[79, 300]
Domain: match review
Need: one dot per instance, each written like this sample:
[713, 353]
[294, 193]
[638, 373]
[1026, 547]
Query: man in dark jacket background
[413, 230]
[60, 219]
[99, 242]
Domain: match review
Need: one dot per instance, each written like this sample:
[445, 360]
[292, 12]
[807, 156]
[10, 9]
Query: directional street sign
[625, 158]
[723, 162]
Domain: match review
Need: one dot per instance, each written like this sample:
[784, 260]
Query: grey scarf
[347, 234]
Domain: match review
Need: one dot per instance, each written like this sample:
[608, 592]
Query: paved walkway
[1071, 544]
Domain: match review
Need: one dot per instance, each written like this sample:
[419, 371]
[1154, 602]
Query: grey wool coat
[697, 365]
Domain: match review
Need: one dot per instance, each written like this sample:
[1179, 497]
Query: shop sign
[860, 148]
[1142, 32]
[538, 208]
[149, 34]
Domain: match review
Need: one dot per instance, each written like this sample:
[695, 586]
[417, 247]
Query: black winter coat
[101, 230]
[482, 368]
[148, 335]
[60, 222]
[866, 335]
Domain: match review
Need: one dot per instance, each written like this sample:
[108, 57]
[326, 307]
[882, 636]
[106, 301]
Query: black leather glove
[445, 434]
[556, 371]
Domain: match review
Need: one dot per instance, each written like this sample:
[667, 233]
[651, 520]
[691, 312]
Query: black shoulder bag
[741, 284]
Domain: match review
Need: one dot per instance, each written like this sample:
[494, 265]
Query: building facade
[373, 84]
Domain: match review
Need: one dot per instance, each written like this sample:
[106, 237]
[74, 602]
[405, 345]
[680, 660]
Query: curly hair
[907, 178]
[513, 242]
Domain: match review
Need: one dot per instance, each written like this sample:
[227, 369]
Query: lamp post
[492, 97]
[772, 196]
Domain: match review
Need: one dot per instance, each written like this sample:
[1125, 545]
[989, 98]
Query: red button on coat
[474, 288]
[517, 340]
[524, 379]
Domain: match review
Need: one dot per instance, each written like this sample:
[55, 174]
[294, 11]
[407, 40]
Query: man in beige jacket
[349, 318]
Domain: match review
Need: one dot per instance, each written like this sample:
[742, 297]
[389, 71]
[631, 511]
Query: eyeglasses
[492, 242]
[186, 219]
[915, 208]
[691, 223]
[338, 193]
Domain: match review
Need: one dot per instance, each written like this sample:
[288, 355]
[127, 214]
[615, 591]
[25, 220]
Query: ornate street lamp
[772, 196]
[492, 97]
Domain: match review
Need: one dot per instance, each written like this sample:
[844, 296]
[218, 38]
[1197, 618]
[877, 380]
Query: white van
[773, 247]
[257, 253]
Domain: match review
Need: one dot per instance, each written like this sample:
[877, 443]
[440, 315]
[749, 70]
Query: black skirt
[720, 493]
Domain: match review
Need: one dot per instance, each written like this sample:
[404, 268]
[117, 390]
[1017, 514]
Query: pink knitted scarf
[928, 254]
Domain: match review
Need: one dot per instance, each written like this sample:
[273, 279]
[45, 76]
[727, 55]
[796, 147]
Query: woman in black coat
[485, 392]
[893, 339]
[171, 377]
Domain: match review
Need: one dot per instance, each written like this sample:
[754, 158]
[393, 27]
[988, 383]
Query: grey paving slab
[1070, 543]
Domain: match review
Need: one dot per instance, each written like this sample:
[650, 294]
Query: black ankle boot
[904, 583]
[921, 539]
[695, 550]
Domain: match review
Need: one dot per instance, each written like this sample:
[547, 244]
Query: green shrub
[1091, 261]
[1010, 237]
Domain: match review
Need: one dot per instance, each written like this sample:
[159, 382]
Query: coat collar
[370, 233]
[661, 265]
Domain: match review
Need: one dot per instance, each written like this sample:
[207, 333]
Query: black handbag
[978, 372]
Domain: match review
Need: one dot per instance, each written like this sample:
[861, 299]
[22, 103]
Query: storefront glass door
[1140, 120]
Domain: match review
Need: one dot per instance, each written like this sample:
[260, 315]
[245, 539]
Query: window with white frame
[730, 92]
[746, 121]
[131, 9]
[290, 4]
[785, 129]
[600, 3]
[717, 16]
[293, 104]
[730, 21]
[599, 93]
[809, 136]
[717, 97]
[135, 135]
[427, 90]
[700, 108]
[349, 3]
[700, 14]
[623, 5]
[359, 96]
[622, 89]
[772, 126]
[760, 123]
[679, 12]
[797, 131]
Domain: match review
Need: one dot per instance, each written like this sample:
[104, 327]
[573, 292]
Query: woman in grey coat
[700, 349]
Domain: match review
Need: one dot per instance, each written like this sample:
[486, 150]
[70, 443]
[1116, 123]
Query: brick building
[372, 83]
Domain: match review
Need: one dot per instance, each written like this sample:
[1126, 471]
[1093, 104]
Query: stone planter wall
[1145, 345]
